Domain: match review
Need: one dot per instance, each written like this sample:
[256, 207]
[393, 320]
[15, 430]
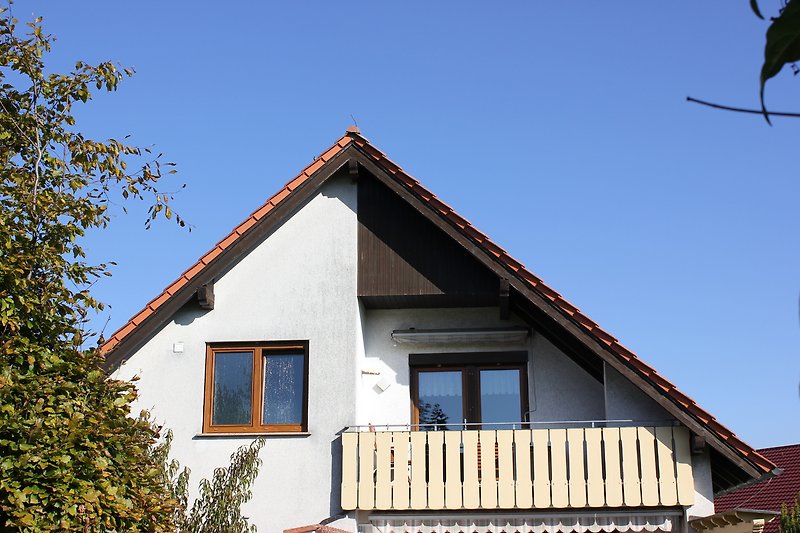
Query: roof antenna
[354, 128]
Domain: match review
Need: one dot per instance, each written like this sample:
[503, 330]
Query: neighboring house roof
[315, 528]
[770, 494]
[353, 149]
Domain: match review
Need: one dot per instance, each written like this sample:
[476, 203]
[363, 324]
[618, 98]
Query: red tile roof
[515, 267]
[770, 494]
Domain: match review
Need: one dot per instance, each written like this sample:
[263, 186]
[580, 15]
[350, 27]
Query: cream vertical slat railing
[488, 469]
[594, 467]
[470, 485]
[383, 480]
[517, 469]
[613, 467]
[419, 474]
[453, 486]
[541, 468]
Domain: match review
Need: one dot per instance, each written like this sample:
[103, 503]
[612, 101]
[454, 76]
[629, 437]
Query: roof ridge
[782, 446]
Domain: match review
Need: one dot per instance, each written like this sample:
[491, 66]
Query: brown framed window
[446, 395]
[256, 387]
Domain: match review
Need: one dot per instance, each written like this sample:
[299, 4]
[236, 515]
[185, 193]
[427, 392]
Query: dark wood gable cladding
[404, 260]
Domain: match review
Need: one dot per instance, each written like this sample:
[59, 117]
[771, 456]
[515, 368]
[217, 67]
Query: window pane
[500, 396]
[233, 384]
[283, 388]
[440, 399]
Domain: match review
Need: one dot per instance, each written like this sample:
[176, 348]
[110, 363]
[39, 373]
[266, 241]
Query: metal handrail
[557, 424]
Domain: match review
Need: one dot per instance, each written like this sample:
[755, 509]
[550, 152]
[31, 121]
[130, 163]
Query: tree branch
[741, 109]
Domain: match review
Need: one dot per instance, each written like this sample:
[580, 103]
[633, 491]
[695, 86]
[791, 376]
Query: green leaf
[782, 47]
[754, 7]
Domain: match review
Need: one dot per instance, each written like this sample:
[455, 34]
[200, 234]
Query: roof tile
[641, 366]
[130, 326]
[585, 321]
[330, 153]
[457, 219]
[548, 292]
[141, 316]
[475, 233]
[681, 398]
[262, 211]
[195, 270]
[111, 343]
[211, 255]
[246, 225]
[605, 337]
[407, 180]
[278, 198]
[372, 151]
[176, 286]
[493, 248]
[563, 304]
[229, 240]
[158, 301]
[298, 181]
[661, 382]
[313, 167]
[391, 166]
[439, 205]
[511, 262]
[422, 192]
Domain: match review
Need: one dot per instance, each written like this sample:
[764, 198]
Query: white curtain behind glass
[283, 389]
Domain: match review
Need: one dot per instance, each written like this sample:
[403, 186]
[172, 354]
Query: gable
[570, 330]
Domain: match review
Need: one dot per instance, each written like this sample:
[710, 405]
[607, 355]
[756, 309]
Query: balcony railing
[517, 468]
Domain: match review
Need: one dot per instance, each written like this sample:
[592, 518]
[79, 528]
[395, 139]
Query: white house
[411, 376]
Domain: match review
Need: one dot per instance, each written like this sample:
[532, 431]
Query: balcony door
[446, 396]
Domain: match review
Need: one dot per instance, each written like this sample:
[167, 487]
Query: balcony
[576, 467]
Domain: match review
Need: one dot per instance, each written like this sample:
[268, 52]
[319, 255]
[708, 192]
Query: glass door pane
[500, 397]
[441, 399]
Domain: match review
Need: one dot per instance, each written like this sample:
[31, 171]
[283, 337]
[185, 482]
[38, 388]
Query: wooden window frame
[260, 350]
[470, 375]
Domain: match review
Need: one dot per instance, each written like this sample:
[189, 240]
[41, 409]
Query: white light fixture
[513, 335]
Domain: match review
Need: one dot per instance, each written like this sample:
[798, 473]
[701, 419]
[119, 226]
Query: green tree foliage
[71, 457]
[790, 517]
[218, 507]
[783, 43]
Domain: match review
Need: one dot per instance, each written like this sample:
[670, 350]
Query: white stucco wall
[703, 487]
[561, 390]
[300, 283]
[625, 401]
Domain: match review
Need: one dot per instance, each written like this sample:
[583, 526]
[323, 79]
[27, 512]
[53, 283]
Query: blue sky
[558, 128]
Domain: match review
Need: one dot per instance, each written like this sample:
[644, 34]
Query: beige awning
[554, 523]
